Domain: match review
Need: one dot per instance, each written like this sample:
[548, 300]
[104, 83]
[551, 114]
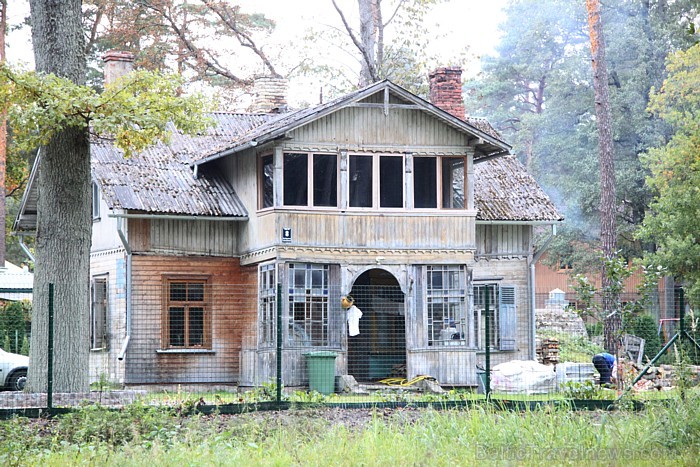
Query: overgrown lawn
[662, 434]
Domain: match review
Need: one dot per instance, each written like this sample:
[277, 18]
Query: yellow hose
[403, 381]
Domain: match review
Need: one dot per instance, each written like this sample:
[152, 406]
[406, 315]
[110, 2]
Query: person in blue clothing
[606, 365]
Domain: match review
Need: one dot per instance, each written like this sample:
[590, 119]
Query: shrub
[644, 326]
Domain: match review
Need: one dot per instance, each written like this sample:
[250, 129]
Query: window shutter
[507, 317]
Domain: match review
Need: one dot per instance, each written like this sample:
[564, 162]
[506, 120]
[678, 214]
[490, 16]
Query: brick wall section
[270, 95]
[446, 90]
[233, 298]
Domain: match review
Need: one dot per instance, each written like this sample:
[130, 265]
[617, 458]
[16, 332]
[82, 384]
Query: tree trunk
[64, 222]
[608, 194]
[368, 35]
[3, 138]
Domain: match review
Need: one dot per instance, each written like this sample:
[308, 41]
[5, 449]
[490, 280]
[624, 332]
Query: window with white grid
[267, 305]
[308, 304]
[446, 305]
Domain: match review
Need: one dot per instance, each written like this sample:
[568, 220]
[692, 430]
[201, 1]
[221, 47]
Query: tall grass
[660, 435]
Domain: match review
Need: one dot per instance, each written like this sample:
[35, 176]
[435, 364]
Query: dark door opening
[379, 351]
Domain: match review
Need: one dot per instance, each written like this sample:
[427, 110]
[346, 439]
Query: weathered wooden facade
[380, 194]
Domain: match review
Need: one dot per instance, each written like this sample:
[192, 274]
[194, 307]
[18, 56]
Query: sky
[457, 23]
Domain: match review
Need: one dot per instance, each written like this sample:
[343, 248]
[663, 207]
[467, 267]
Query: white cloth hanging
[353, 316]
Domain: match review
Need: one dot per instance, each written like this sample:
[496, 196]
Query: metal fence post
[49, 389]
[487, 385]
[279, 346]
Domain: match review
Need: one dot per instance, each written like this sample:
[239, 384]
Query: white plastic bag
[523, 377]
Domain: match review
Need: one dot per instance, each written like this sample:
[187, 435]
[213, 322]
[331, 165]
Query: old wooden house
[408, 205]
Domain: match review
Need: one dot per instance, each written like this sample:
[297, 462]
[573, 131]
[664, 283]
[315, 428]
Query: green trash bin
[321, 366]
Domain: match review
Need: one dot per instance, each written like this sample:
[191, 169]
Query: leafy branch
[135, 110]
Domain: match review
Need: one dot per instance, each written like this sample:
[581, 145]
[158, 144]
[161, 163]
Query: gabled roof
[169, 179]
[505, 191]
[487, 140]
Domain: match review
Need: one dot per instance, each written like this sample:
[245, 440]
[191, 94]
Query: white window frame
[453, 330]
[96, 198]
[267, 305]
[440, 201]
[310, 180]
[99, 311]
[313, 302]
[376, 182]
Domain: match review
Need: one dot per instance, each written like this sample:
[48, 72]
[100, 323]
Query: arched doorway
[379, 351]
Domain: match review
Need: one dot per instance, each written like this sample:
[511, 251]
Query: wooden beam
[386, 106]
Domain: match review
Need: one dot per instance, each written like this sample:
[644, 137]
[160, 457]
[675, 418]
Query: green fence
[227, 348]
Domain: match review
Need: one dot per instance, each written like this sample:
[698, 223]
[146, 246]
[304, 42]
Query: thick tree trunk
[3, 137]
[63, 212]
[608, 193]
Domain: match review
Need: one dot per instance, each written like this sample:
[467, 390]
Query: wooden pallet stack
[548, 351]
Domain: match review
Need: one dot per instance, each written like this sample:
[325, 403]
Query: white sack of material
[523, 377]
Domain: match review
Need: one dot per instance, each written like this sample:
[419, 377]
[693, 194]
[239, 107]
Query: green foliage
[585, 390]
[669, 432]
[594, 329]
[13, 326]
[24, 350]
[585, 295]
[673, 222]
[644, 326]
[537, 92]
[135, 111]
[577, 349]
[135, 424]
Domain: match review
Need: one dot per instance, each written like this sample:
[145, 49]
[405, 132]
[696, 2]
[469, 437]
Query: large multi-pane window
[446, 305]
[98, 313]
[376, 181]
[267, 305]
[310, 179]
[308, 304]
[373, 181]
[187, 323]
[439, 181]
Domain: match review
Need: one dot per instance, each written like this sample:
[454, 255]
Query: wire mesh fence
[185, 339]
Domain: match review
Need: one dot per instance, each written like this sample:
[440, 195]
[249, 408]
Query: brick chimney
[269, 95]
[446, 90]
[117, 64]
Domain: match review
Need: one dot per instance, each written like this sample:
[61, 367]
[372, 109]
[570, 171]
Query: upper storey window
[310, 180]
[376, 181]
[369, 181]
[439, 181]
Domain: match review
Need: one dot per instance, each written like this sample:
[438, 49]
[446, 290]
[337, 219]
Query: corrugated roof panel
[160, 179]
[505, 191]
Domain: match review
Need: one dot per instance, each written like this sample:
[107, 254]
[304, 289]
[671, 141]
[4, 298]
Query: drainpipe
[531, 282]
[127, 247]
[25, 249]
